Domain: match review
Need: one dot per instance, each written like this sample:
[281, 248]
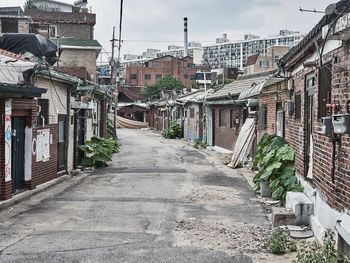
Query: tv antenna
[330, 9]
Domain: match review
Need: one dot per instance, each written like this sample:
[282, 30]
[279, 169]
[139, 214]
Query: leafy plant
[173, 132]
[275, 162]
[99, 151]
[321, 254]
[279, 242]
[152, 92]
[28, 5]
[110, 129]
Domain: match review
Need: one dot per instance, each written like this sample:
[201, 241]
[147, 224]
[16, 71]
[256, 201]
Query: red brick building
[182, 69]
[315, 100]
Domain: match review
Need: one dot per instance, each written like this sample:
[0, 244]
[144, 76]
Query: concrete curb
[39, 189]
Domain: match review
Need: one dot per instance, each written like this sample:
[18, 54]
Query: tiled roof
[78, 42]
[13, 55]
[243, 82]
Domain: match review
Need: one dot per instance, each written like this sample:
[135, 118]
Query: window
[192, 77]
[52, 31]
[192, 113]
[234, 119]
[43, 112]
[9, 25]
[324, 90]
[221, 118]
[297, 110]
[262, 117]
[133, 76]
[264, 64]
[147, 76]
[158, 76]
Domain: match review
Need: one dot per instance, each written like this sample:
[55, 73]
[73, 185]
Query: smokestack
[185, 38]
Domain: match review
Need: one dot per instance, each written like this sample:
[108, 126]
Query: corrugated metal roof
[256, 90]
[242, 83]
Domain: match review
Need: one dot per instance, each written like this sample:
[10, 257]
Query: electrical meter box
[341, 123]
[327, 125]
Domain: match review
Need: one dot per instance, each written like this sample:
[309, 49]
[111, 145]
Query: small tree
[152, 92]
[29, 5]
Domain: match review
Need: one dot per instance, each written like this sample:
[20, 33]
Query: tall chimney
[185, 38]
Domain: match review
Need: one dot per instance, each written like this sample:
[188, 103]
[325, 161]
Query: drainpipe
[68, 129]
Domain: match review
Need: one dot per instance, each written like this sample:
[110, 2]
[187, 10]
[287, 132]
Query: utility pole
[112, 82]
[118, 65]
[115, 67]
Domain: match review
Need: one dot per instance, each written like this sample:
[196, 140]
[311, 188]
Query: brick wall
[336, 188]
[78, 31]
[61, 17]
[45, 171]
[268, 98]
[296, 127]
[79, 58]
[20, 107]
[166, 66]
[225, 136]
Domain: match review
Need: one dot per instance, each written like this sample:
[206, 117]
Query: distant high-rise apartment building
[235, 53]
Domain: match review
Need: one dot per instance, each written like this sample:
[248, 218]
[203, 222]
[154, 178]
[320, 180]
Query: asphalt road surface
[159, 201]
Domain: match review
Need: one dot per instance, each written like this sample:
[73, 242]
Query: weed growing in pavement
[326, 253]
[199, 144]
[99, 151]
[173, 132]
[280, 243]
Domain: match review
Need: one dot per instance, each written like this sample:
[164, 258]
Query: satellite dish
[330, 9]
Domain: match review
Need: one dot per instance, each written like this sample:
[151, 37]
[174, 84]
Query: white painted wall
[70, 153]
[324, 216]
[28, 154]
[57, 94]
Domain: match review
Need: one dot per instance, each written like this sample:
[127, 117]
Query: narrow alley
[160, 201]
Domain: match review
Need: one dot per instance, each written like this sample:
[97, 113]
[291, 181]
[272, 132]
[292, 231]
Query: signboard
[42, 145]
[8, 139]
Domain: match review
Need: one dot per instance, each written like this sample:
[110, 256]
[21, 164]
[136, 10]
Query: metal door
[81, 134]
[18, 144]
[62, 152]
[213, 125]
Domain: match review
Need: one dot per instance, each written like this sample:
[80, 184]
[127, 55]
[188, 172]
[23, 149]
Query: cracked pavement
[159, 201]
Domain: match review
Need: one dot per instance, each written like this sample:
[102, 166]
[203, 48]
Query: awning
[14, 90]
[256, 89]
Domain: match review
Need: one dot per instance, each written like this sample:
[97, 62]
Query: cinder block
[301, 205]
[282, 216]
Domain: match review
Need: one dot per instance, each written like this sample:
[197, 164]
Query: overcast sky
[159, 23]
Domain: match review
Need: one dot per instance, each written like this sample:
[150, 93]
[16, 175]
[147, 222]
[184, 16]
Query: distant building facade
[151, 71]
[12, 20]
[72, 28]
[236, 53]
[259, 63]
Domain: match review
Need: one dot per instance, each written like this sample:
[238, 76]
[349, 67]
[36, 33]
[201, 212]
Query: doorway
[62, 152]
[18, 149]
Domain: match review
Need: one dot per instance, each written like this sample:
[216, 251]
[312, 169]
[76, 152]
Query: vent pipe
[185, 38]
